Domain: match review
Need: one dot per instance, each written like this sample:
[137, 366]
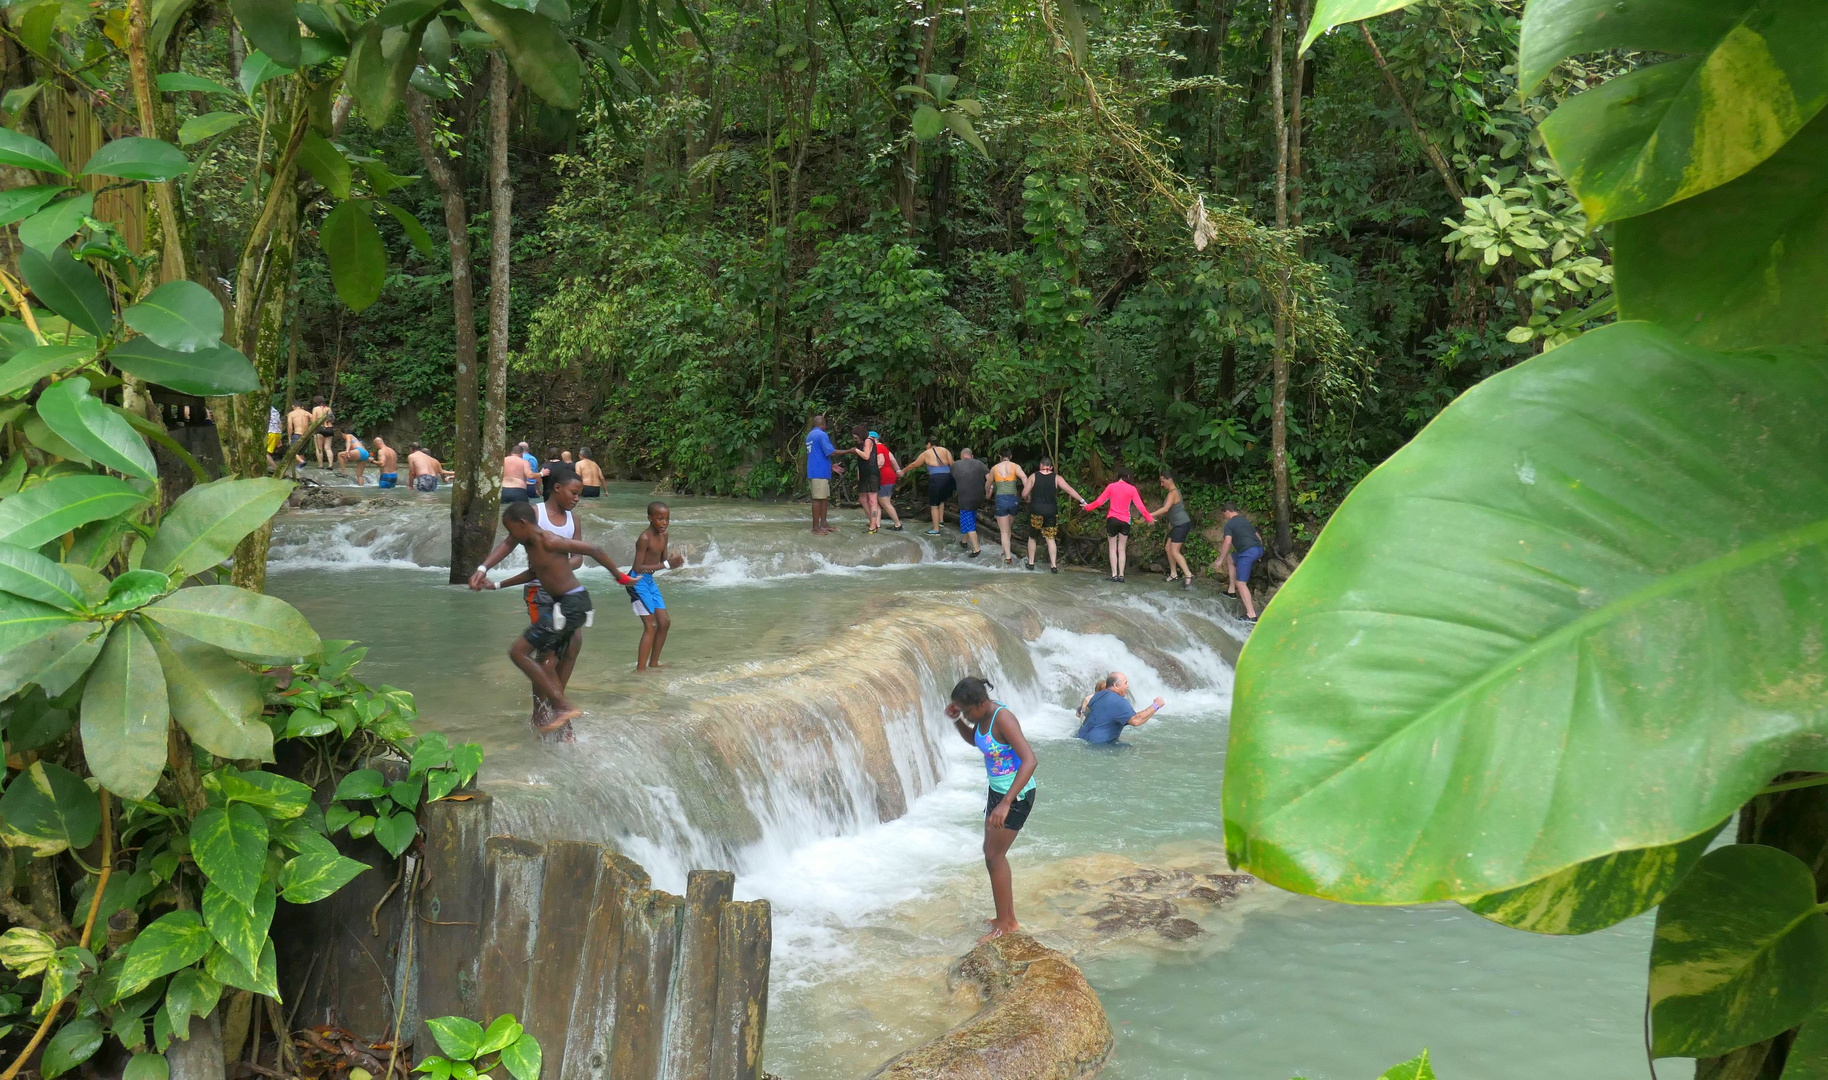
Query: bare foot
[997, 930]
[655, 664]
[560, 717]
[538, 717]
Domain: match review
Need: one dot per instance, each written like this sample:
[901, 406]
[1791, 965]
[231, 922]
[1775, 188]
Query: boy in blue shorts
[651, 555]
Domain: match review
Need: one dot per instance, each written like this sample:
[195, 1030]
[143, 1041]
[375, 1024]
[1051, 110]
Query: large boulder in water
[1040, 1021]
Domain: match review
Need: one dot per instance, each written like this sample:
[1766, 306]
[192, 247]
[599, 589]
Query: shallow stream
[797, 737]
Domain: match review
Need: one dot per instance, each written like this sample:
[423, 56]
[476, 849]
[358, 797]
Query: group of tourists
[338, 448]
[1006, 486]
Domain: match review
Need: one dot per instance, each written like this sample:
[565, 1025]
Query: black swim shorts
[940, 488]
[591, 492]
[1018, 810]
[548, 634]
[1178, 534]
[519, 494]
[1113, 527]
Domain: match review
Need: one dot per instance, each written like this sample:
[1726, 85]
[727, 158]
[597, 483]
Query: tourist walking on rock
[298, 427]
[388, 462]
[890, 472]
[1010, 763]
[517, 477]
[1245, 547]
[1007, 482]
[590, 473]
[1042, 492]
[937, 460]
[323, 422]
[1108, 712]
[973, 479]
[1118, 497]
[354, 453]
[869, 476]
[819, 469]
[651, 555]
[1180, 523]
[424, 472]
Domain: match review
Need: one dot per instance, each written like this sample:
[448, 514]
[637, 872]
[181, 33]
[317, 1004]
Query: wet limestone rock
[309, 495]
[1040, 1021]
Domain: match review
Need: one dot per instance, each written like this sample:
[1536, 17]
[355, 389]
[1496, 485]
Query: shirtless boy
[591, 473]
[323, 432]
[389, 463]
[556, 518]
[651, 555]
[298, 425]
[549, 561]
[423, 471]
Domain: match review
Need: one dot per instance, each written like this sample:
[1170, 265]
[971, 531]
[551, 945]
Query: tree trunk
[473, 500]
[501, 242]
[1280, 358]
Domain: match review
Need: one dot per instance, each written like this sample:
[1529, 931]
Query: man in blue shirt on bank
[1109, 712]
[819, 450]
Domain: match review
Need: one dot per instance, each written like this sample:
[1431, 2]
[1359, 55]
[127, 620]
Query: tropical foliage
[1570, 630]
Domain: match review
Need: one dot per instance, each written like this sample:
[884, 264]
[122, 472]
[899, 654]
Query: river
[797, 737]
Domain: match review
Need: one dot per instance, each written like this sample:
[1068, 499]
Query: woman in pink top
[1121, 495]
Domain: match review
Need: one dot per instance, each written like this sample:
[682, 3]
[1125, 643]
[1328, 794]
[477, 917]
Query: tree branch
[1415, 126]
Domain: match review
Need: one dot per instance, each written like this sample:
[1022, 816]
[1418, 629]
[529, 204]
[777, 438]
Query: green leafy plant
[1570, 629]
[470, 1050]
[940, 112]
[1416, 1068]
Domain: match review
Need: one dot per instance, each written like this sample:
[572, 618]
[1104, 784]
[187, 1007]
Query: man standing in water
[1010, 763]
[973, 480]
[590, 473]
[819, 450]
[423, 471]
[1109, 712]
[388, 462]
[1245, 547]
[517, 478]
[937, 460]
[298, 426]
[556, 624]
[651, 555]
[1042, 493]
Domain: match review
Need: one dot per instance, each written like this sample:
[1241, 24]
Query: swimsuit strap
[990, 731]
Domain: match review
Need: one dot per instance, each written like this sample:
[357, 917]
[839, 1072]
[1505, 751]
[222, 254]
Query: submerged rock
[312, 496]
[1040, 1021]
[1144, 901]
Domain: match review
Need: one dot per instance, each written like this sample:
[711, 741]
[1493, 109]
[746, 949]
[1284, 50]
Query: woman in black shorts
[1180, 523]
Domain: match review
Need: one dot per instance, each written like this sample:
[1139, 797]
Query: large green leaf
[248, 624]
[25, 201]
[415, 232]
[395, 832]
[353, 248]
[55, 507]
[376, 81]
[21, 151]
[203, 526]
[279, 797]
[25, 621]
[125, 714]
[180, 315]
[262, 979]
[271, 26]
[1741, 953]
[74, 1043]
[24, 572]
[1808, 1056]
[326, 164]
[84, 422]
[219, 370]
[523, 1058]
[138, 158]
[927, 122]
[214, 698]
[35, 722]
[182, 82]
[240, 929]
[39, 434]
[1416, 1068]
[1598, 893]
[28, 366]
[68, 287]
[1742, 265]
[57, 222]
[258, 70]
[190, 993]
[176, 940]
[209, 125]
[230, 846]
[313, 875]
[1750, 76]
[1586, 576]
[458, 1036]
[1331, 13]
[537, 50]
[54, 661]
[48, 809]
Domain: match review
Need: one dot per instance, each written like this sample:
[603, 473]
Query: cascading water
[797, 736]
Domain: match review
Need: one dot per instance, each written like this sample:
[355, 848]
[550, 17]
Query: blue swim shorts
[967, 521]
[644, 595]
[1244, 560]
[389, 479]
[1007, 505]
[363, 450]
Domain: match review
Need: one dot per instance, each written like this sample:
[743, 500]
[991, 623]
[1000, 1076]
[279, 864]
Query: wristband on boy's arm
[624, 579]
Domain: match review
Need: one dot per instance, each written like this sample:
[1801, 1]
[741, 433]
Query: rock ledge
[1040, 1021]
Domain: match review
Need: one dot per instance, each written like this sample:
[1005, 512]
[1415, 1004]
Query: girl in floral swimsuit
[1010, 763]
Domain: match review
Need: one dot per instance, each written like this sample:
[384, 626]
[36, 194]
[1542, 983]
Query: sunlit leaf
[138, 158]
[48, 809]
[85, 423]
[248, 624]
[125, 713]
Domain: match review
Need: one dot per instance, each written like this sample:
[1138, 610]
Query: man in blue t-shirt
[819, 469]
[1109, 712]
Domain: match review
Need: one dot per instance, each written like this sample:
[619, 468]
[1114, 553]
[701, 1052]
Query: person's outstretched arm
[578, 547]
[1167, 501]
[1141, 718]
[1060, 481]
[1136, 498]
[481, 574]
[1103, 496]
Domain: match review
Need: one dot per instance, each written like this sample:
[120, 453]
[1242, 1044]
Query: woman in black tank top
[869, 476]
[1043, 495]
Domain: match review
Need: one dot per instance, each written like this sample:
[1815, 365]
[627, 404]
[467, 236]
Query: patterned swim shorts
[1044, 525]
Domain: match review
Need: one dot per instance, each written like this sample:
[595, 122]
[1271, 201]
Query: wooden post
[591, 1035]
[650, 938]
[744, 937]
[451, 909]
[693, 1001]
[567, 898]
[511, 925]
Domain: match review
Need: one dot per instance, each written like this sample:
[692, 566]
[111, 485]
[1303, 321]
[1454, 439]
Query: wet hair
[1002, 455]
[1168, 476]
[972, 690]
[1229, 505]
[655, 505]
[521, 510]
[1046, 463]
[1126, 476]
[318, 400]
